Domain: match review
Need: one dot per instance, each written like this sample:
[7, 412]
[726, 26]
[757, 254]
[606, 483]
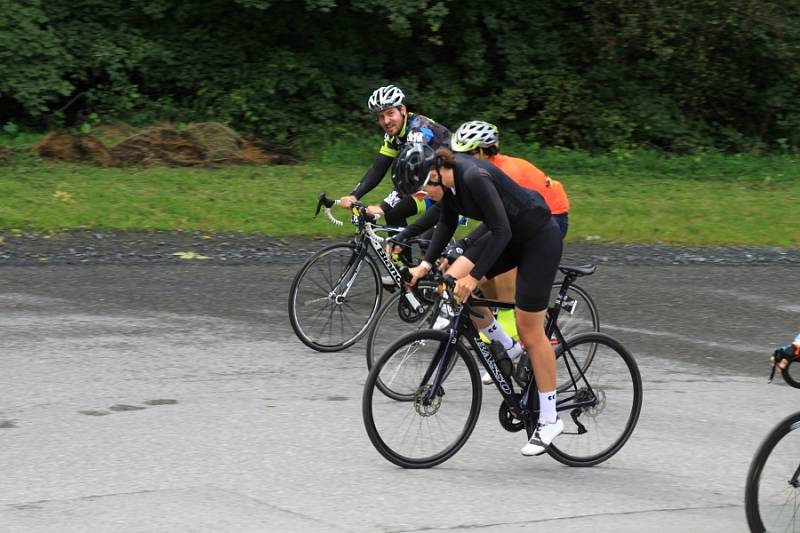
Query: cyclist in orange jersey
[481, 139]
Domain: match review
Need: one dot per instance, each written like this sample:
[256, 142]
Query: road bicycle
[578, 313]
[422, 398]
[336, 294]
[772, 489]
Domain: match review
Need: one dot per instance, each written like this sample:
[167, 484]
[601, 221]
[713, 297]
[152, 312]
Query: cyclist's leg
[397, 214]
[460, 268]
[503, 264]
[537, 269]
[536, 272]
[505, 286]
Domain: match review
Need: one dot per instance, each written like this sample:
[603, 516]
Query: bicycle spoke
[322, 315]
[415, 432]
[601, 405]
[772, 496]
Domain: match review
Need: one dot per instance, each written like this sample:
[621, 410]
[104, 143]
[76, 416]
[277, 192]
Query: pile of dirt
[197, 145]
[75, 147]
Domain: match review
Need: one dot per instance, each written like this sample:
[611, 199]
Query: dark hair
[445, 158]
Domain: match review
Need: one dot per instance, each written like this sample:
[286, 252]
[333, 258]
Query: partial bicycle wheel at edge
[334, 298]
[601, 404]
[418, 433]
[772, 489]
[396, 318]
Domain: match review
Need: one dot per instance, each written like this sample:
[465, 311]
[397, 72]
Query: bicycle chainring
[508, 420]
[408, 313]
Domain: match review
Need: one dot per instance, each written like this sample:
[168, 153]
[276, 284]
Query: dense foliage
[590, 74]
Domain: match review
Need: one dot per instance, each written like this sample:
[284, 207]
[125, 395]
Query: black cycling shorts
[536, 258]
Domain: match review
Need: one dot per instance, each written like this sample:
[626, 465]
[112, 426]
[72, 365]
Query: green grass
[642, 197]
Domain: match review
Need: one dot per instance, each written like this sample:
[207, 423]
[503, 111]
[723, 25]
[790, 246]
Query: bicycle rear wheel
[417, 433]
[578, 311]
[601, 405]
[578, 315]
[334, 298]
[772, 490]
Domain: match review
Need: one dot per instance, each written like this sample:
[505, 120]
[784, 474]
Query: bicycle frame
[365, 233]
[518, 403]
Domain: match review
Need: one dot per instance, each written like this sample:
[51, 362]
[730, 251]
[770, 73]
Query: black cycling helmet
[411, 167]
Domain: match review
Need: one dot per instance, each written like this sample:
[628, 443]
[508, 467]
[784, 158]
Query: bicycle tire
[770, 476]
[322, 285]
[571, 323]
[788, 374]
[613, 382]
[579, 316]
[388, 322]
[389, 423]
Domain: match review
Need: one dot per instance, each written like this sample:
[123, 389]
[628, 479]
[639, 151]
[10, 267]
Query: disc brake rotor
[423, 406]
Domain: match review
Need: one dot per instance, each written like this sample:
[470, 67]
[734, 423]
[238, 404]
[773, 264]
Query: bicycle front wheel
[601, 405]
[421, 433]
[334, 298]
[396, 318]
[772, 491]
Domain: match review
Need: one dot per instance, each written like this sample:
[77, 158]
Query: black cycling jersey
[417, 129]
[483, 192]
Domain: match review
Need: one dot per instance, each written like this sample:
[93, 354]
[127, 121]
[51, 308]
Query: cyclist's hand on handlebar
[375, 211]
[393, 248]
[418, 272]
[785, 355]
[395, 244]
[464, 287]
[347, 201]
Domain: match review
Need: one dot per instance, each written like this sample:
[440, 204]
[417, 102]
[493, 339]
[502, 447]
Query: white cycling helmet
[473, 135]
[385, 98]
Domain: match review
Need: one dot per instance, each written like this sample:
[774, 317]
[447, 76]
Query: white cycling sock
[547, 407]
[495, 333]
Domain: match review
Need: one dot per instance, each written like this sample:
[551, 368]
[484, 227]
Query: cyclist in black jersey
[401, 127]
[520, 232]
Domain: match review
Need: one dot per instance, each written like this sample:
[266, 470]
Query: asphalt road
[174, 398]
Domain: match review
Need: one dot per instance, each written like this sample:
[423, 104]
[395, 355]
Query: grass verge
[706, 199]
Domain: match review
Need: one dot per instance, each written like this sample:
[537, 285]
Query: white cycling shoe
[542, 436]
[513, 353]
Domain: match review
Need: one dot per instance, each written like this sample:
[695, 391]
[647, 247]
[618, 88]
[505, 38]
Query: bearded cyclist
[521, 233]
[400, 127]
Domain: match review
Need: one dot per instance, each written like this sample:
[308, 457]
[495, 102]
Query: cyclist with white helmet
[520, 233]
[481, 139]
[400, 127]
